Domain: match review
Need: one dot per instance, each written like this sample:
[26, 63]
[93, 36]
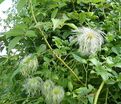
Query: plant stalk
[98, 92]
[61, 60]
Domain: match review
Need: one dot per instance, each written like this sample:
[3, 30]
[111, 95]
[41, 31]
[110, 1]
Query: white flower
[89, 40]
[33, 86]
[55, 96]
[28, 65]
[46, 87]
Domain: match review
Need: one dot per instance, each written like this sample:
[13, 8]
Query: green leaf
[58, 23]
[15, 73]
[70, 85]
[54, 13]
[1, 1]
[102, 71]
[91, 98]
[13, 32]
[41, 49]
[119, 77]
[73, 15]
[30, 33]
[84, 90]
[97, 1]
[44, 25]
[82, 17]
[89, 14]
[82, 1]
[58, 42]
[20, 5]
[13, 43]
[116, 50]
[18, 30]
[118, 65]
[88, 1]
[109, 61]
[110, 37]
[71, 25]
[119, 85]
[79, 59]
[95, 62]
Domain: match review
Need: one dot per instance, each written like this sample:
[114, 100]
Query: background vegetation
[44, 28]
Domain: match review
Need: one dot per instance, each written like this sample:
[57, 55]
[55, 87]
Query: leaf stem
[98, 92]
[43, 34]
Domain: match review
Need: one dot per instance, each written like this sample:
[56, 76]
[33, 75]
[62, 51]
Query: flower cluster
[53, 94]
[89, 40]
[34, 85]
[28, 65]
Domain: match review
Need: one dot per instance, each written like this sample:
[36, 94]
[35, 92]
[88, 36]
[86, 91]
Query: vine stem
[98, 92]
[42, 33]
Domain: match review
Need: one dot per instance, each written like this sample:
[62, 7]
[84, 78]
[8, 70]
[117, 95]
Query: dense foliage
[47, 53]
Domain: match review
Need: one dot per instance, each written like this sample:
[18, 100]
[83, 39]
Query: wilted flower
[47, 86]
[33, 86]
[89, 40]
[28, 65]
[55, 96]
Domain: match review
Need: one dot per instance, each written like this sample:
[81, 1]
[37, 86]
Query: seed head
[55, 96]
[33, 86]
[46, 87]
[89, 40]
[28, 65]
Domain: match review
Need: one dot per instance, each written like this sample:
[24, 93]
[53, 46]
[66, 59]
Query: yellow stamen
[90, 35]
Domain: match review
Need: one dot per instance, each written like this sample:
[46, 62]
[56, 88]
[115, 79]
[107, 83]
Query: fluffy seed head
[55, 96]
[46, 87]
[28, 65]
[89, 40]
[33, 86]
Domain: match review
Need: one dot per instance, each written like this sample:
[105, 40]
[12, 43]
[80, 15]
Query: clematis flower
[46, 87]
[28, 65]
[33, 85]
[89, 40]
[55, 96]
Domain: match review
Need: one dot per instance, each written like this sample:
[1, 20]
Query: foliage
[44, 28]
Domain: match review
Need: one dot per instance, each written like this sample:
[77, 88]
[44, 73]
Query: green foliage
[20, 5]
[1, 1]
[88, 1]
[13, 43]
[46, 29]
